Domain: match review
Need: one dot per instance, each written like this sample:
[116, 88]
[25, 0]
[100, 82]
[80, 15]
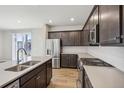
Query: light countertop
[85, 55]
[8, 76]
[105, 77]
[82, 55]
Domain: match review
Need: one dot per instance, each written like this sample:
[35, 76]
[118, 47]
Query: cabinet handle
[38, 77]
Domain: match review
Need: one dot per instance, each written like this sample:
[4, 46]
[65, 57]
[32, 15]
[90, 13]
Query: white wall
[112, 55]
[38, 41]
[74, 49]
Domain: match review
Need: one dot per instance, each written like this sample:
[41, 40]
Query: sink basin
[16, 68]
[30, 63]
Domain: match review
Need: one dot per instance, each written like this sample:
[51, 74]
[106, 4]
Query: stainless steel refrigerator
[53, 49]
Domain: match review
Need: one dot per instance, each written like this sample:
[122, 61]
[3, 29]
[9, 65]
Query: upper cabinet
[68, 38]
[110, 20]
[90, 24]
[109, 24]
[54, 35]
[85, 35]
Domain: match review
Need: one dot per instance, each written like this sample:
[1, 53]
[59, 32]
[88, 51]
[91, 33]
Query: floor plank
[63, 78]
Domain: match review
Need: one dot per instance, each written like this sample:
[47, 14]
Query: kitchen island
[45, 64]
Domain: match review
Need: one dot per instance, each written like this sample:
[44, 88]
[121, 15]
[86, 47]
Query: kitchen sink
[30, 63]
[16, 68]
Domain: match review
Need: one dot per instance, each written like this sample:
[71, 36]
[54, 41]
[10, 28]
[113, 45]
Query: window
[21, 40]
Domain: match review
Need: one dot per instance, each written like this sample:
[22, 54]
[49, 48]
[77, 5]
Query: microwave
[94, 35]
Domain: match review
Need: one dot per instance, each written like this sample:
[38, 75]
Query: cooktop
[94, 62]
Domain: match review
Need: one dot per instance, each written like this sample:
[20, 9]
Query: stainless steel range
[90, 62]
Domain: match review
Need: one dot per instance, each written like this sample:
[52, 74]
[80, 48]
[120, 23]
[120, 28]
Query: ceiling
[34, 16]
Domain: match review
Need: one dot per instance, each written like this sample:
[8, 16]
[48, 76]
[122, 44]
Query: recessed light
[18, 21]
[72, 19]
[50, 21]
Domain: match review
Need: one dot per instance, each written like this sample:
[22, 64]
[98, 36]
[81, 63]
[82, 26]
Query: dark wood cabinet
[68, 38]
[49, 71]
[65, 39]
[85, 35]
[122, 33]
[54, 35]
[109, 24]
[39, 77]
[96, 16]
[31, 83]
[69, 60]
[64, 60]
[85, 39]
[86, 81]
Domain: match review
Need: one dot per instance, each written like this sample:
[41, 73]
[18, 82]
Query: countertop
[105, 77]
[82, 55]
[85, 55]
[8, 76]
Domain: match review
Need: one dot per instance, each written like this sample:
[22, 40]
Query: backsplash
[112, 55]
[74, 49]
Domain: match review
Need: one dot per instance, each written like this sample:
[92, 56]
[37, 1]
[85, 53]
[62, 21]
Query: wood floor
[63, 78]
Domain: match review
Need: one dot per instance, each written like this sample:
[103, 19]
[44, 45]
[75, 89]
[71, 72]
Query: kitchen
[81, 47]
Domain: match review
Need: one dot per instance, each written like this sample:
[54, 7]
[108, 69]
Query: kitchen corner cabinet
[109, 24]
[69, 60]
[38, 78]
[85, 35]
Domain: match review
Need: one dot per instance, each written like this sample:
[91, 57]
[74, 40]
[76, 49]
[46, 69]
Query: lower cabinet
[31, 83]
[69, 60]
[86, 81]
[49, 71]
[39, 77]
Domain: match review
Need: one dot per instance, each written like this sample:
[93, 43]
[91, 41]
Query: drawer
[32, 73]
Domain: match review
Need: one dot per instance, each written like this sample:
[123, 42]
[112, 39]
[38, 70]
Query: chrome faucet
[18, 54]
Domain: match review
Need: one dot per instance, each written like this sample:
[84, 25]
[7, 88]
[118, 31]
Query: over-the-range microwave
[94, 35]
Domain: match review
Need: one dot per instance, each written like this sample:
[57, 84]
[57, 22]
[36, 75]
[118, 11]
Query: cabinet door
[64, 60]
[54, 35]
[95, 16]
[91, 22]
[49, 71]
[72, 60]
[65, 38]
[41, 78]
[109, 24]
[30, 83]
[86, 37]
[77, 38]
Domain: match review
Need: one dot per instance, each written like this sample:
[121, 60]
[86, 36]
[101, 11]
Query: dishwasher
[15, 84]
